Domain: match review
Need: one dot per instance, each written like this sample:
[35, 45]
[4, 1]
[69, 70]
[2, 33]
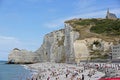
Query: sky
[23, 23]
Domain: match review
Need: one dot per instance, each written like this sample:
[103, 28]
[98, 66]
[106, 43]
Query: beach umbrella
[107, 65]
[110, 78]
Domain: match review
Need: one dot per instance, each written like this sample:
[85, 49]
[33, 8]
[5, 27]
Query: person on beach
[40, 77]
[82, 77]
[48, 78]
[78, 78]
[57, 78]
[32, 78]
[66, 75]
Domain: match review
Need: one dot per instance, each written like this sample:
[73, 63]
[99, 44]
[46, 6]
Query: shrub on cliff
[16, 49]
[106, 26]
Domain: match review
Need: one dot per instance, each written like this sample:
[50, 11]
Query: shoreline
[31, 71]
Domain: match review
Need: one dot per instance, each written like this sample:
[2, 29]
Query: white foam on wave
[32, 71]
[25, 66]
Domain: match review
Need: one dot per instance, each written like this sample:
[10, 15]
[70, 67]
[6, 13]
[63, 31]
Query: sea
[13, 71]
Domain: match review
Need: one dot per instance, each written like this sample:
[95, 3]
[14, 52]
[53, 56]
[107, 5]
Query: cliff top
[106, 29]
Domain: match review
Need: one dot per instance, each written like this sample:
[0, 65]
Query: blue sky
[23, 23]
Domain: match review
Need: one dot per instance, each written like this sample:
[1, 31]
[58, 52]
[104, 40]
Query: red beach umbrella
[118, 78]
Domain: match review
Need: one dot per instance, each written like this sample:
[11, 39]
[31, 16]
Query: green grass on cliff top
[99, 26]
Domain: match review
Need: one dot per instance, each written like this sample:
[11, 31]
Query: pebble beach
[63, 71]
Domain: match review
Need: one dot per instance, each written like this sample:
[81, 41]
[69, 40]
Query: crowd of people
[62, 71]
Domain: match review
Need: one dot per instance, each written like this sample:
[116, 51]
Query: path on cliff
[85, 32]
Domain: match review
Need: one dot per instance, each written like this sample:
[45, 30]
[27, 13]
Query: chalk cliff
[23, 56]
[52, 48]
[72, 44]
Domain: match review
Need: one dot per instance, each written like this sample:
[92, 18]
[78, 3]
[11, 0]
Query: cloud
[84, 3]
[91, 14]
[86, 6]
[55, 23]
[116, 11]
[5, 39]
[8, 43]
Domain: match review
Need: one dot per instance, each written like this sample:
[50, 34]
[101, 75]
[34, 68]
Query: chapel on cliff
[110, 15]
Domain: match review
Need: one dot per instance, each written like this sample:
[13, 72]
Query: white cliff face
[82, 47]
[58, 46]
[107, 45]
[80, 50]
[70, 37]
[104, 45]
[21, 56]
[52, 48]
[63, 45]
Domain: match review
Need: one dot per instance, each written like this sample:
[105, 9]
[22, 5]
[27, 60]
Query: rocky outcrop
[18, 56]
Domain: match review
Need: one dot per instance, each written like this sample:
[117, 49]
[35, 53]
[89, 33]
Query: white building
[115, 52]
